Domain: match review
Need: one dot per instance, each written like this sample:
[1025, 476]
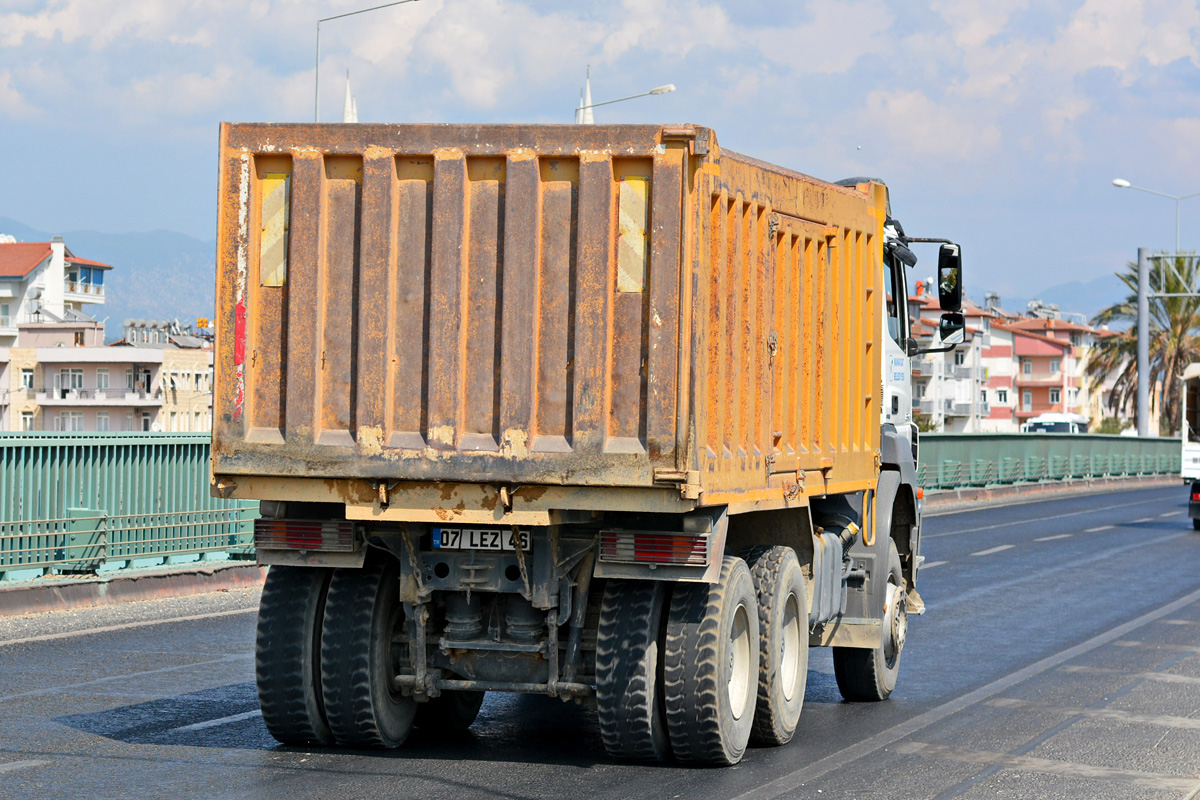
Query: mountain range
[164, 275]
[158, 275]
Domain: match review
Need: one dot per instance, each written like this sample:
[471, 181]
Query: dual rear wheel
[329, 643]
[703, 672]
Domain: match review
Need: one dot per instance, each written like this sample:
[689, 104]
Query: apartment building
[44, 284]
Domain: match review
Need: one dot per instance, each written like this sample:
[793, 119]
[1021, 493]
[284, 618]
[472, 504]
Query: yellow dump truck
[606, 413]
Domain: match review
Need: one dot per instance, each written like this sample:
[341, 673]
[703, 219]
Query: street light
[1121, 183]
[667, 89]
[317, 89]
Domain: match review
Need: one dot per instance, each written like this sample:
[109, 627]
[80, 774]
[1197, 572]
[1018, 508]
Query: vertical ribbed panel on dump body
[469, 303]
[572, 305]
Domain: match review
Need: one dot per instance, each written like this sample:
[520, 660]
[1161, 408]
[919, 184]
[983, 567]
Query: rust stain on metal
[543, 306]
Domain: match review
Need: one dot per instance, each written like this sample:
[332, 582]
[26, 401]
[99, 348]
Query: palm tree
[1173, 342]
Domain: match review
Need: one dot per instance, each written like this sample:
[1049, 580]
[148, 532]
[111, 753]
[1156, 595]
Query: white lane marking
[127, 626]
[1161, 720]
[15, 765]
[848, 755]
[933, 564]
[1183, 647]
[1161, 677]
[212, 723]
[1101, 528]
[1046, 766]
[1180, 622]
[1052, 538]
[1171, 514]
[1143, 519]
[107, 679]
[1041, 519]
[991, 550]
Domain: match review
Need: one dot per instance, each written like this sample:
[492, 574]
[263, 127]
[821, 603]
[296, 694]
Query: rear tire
[783, 643]
[1196, 524]
[453, 711]
[870, 675]
[287, 655]
[361, 653]
[712, 666]
[628, 671]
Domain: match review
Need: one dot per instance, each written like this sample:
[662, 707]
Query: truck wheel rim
[739, 662]
[897, 623]
[789, 657]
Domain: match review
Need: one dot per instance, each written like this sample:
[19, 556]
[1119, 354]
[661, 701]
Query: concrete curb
[64, 593]
[961, 499]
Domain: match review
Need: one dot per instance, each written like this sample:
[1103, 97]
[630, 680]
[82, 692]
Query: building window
[102, 420]
[129, 380]
[198, 424]
[1072, 395]
[102, 378]
[69, 421]
[1055, 395]
[1026, 366]
[959, 358]
[79, 338]
[128, 420]
[1002, 396]
[5, 321]
[1055, 365]
[173, 422]
[70, 380]
[26, 420]
[1027, 400]
[983, 396]
[26, 378]
[145, 422]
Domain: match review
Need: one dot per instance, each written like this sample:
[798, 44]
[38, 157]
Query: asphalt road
[1059, 658]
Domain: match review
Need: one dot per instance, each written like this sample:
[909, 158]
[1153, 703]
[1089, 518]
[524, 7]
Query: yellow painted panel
[273, 239]
[634, 222]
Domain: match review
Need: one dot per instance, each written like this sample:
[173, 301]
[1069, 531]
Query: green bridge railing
[84, 503]
[958, 460]
[94, 502]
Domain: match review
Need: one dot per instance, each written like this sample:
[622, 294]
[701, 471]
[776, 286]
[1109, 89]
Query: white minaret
[350, 108]
[583, 114]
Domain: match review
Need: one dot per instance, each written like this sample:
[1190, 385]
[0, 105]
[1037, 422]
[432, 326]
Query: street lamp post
[317, 87]
[670, 87]
[1121, 183]
[1143, 307]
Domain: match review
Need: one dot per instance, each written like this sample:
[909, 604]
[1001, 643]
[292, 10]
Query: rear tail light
[304, 534]
[654, 547]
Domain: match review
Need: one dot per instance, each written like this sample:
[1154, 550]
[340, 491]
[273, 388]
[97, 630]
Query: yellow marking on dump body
[633, 217]
[274, 239]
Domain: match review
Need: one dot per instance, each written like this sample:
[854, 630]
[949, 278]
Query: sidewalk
[58, 593]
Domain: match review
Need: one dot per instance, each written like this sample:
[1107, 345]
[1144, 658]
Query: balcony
[1039, 378]
[952, 408]
[84, 292]
[107, 397]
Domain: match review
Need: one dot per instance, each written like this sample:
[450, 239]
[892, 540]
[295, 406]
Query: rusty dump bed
[542, 305]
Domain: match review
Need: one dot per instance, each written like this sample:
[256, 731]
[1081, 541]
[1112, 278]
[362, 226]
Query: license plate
[479, 539]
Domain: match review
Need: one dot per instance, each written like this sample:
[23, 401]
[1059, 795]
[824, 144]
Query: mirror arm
[925, 350]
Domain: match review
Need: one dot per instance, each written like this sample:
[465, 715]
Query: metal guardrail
[958, 460]
[93, 502]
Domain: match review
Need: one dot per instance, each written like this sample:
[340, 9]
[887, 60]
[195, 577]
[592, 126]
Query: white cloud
[920, 127]
[12, 102]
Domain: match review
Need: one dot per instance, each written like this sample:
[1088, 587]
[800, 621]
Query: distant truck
[1189, 438]
[605, 413]
[1056, 423]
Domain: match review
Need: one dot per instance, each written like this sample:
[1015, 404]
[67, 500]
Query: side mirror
[950, 278]
[952, 328]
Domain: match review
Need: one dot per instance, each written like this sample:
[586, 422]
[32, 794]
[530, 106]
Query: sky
[997, 123]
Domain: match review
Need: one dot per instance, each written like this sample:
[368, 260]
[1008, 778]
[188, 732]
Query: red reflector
[304, 534]
[654, 547]
[920, 494]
